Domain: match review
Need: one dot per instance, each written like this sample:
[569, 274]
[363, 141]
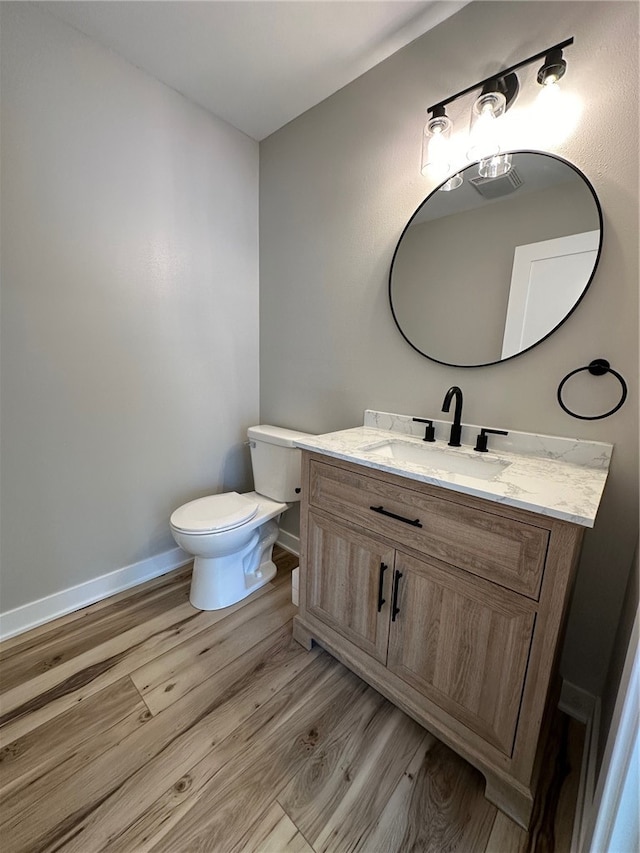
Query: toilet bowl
[231, 535]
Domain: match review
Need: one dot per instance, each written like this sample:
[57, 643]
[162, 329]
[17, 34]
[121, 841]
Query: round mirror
[486, 268]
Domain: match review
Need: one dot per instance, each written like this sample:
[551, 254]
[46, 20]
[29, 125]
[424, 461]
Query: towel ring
[597, 367]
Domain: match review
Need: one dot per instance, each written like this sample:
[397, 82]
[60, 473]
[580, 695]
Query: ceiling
[255, 63]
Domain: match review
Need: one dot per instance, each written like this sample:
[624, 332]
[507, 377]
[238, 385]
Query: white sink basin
[436, 459]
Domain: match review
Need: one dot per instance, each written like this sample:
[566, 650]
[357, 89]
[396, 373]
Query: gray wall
[129, 307]
[337, 186]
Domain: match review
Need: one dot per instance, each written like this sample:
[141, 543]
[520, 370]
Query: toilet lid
[214, 513]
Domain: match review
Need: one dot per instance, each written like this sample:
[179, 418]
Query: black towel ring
[598, 367]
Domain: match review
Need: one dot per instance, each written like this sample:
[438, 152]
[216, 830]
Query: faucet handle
[429, 432]
[481, 440]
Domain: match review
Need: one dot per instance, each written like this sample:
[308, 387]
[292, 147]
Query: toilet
[231, 535]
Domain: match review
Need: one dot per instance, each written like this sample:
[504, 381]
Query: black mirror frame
[564, 319]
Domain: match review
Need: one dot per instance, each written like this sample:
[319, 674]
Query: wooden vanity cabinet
[449, 605]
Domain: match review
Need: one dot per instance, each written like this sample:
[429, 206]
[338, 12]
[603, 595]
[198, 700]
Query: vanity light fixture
[497, 94]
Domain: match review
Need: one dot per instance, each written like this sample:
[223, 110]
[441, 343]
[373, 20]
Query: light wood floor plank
[111, 622]
[389, 831]
[438, 805]
[273, 832]
[50, 632]
[313, 795]
[384, 759]
[25, 813]
[552, 819]
[44, 697]
[285, 562]
[168, 677]
[234, 697]
[508, 836]
[35, 754]
[76, 789]
[218, 819]
[161, 816]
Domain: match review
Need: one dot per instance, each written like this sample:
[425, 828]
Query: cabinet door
[464, 643]
[349, 583]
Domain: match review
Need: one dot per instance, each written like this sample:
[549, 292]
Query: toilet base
[219, 582]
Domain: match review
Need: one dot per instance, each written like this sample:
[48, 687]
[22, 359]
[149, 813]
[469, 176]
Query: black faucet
[456, 426]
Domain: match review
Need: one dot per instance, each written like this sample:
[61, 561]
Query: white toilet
[232, 535]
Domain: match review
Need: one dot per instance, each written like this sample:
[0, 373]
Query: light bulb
[483, 137]
[436, 146]
[550, 93]
[555, 115]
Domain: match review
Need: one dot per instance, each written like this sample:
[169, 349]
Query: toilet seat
[214, 514]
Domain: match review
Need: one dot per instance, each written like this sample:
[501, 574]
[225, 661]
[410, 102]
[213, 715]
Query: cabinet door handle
[381, 600]
[394, 608]
[383, 511]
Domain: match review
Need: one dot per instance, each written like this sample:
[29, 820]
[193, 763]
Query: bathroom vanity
[442, 576]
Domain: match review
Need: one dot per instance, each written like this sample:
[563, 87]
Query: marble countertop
[559, 477]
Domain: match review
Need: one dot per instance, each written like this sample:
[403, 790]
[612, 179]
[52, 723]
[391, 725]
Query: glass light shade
[493, 167]
[436, 146]
[555, 115]
[550, 95]
[483, 135]
[453, 183]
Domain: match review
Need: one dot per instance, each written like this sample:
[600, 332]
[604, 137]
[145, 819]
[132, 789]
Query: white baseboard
[576, 702]
[289, 542]
[587, 785]
[295, 586]
[50, 607]
[584, 707]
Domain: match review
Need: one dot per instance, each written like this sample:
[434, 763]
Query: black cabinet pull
[394, 605]
[381, 600]
[384, 511]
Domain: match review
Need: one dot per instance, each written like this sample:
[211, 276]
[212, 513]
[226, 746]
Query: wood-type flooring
[143, 724]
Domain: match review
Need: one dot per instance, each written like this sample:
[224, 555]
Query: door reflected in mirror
[486, 271]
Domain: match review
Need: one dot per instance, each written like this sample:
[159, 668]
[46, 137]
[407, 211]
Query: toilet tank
[276, 462]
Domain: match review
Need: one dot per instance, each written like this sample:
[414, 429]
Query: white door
[547, 280]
